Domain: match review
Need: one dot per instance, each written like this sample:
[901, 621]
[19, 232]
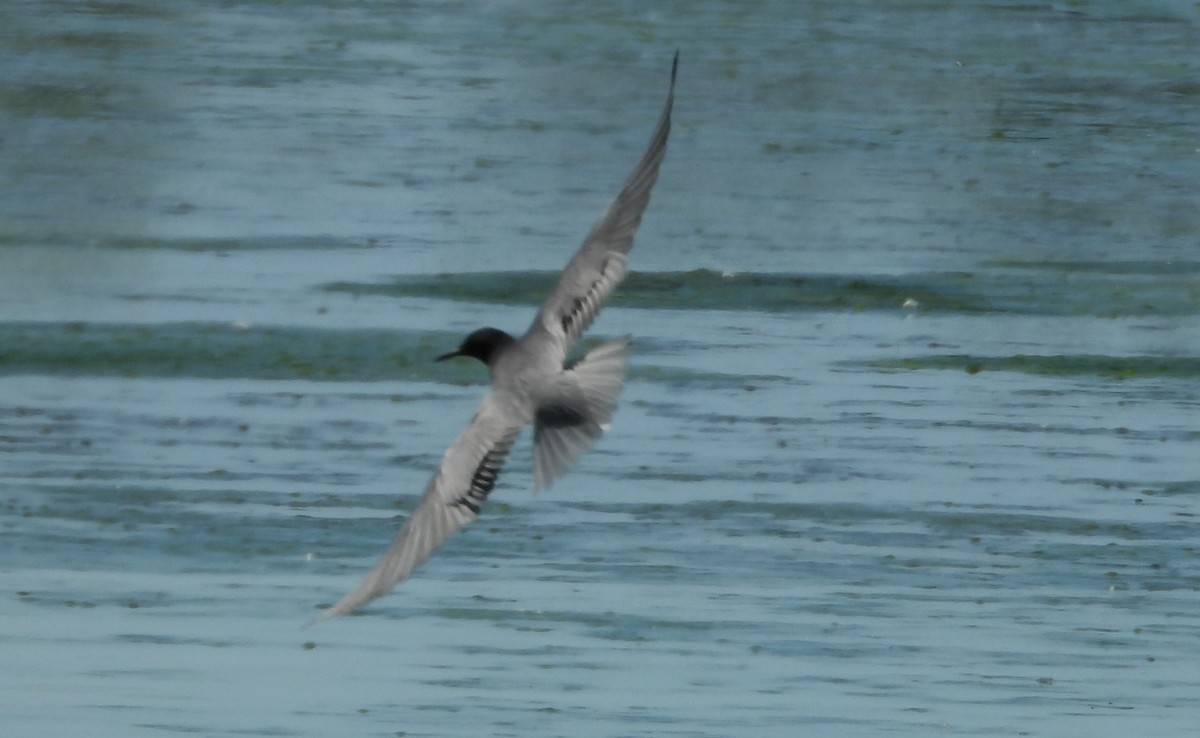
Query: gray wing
[451, 500]
[599, 265]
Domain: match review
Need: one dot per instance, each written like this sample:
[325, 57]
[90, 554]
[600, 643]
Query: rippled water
[909, 442]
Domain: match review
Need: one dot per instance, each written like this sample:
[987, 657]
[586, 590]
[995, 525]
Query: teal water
[909, 441]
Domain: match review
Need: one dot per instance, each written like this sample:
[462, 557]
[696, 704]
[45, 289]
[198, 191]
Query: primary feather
[599, 264]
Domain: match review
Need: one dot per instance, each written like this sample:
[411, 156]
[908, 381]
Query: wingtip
[674, 67]
[318, 619]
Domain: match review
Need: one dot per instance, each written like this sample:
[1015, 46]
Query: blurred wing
[453, 498]
[599, 265]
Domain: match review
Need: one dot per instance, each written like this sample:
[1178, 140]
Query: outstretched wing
[453, 498]
[599, 265]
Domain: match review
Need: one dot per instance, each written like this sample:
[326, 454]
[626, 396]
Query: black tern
[569, 405]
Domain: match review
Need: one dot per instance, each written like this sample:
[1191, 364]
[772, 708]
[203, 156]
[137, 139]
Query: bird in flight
[569, 406]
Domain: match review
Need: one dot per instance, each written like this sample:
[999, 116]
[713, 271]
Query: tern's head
[484, 344]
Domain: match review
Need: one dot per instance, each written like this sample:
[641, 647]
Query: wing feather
[599, 264]
[452, 499]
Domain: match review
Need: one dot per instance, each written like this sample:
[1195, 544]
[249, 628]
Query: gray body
[569, 407]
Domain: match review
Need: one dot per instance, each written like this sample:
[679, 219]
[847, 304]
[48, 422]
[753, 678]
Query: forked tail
[576, 410]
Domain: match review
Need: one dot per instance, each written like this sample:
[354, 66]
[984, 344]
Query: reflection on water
[909, 440]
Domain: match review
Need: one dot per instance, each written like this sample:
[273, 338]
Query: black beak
[450, 355]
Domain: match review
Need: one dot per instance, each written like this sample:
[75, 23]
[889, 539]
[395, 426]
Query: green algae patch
[219, 351]
[1050, 288]
[229, 351]
[1108, 367]
[700, 289]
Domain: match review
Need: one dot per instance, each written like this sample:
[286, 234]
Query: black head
[483, 344]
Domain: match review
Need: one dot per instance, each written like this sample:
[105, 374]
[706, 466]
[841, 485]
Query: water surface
[909, 441]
